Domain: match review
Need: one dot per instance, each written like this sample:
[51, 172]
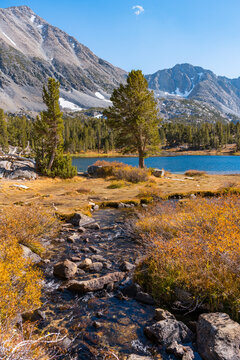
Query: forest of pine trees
[83, 133]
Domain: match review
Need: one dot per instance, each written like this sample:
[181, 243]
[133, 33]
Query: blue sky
[161, 34]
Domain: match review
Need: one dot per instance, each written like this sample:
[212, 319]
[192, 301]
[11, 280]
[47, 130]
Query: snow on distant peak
[200, 75]
[32, 19]
[179, 93]
[69, 105]
[11, 41]
[101, 97]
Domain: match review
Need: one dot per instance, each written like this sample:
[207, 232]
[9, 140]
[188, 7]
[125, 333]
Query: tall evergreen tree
[134, 116]
[49, 136]
[3, 131]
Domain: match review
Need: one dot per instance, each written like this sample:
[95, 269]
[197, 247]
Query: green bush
[62, 167]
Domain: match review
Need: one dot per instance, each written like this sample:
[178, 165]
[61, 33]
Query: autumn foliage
[20, 280]
[194, 246]
[120, 171]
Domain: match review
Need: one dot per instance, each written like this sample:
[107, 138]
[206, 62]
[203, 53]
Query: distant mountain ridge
[31, 50]
[194, 82]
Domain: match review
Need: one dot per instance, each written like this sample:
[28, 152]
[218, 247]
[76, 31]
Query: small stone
[81, 272]
[96, 267]
[81, 229]
[126, 266]
[161, 314]
[75, 259]
[96, 207]
[144, 298]
[94, 226]
[98, 258]
[87, 263]
[107, 265]
[180, 351]
[94, 249]
[65, 269]
[131, 290]
[97, 324]
[121, 205]
[86, 240]
[72, 239]
[110, 287]
[65, 343]
[36, 315]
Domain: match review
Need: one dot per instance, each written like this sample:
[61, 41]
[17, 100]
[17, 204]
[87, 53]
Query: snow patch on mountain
[11, 41]
[32, 19]
[65, 104]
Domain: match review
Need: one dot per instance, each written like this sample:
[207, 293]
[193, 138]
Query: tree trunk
[141, 160]
[51, 160]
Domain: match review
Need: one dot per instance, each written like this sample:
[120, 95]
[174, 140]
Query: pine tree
[49, 136]
[134, 116]
[3, 131]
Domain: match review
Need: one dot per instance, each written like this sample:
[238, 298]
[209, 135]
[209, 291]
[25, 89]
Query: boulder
[180, 351]
[85, 264]
[158, 173]
[161, 314]
[28, 254]
[81, 220]
[35, 315]
[94, 170]
[65, 269]
[98, 258]
[131, 290]
[126, 266]
[166, 331]
[96, 267]
[218, 337]
[14, 167]
[144, 298]
[94, 284]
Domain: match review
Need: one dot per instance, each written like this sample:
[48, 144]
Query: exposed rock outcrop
[14, 167]
[218, 337]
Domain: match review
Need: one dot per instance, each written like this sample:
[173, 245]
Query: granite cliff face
[31, 50]
[193, 82]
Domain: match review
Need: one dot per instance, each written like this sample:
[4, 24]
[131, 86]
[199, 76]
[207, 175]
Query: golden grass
[194, 246]
[68, 196]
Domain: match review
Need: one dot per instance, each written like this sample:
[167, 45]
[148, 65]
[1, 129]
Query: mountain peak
[31, 50]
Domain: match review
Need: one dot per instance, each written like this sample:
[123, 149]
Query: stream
[103, 324]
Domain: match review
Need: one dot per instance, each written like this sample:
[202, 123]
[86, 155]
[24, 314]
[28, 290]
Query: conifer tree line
[83, 133]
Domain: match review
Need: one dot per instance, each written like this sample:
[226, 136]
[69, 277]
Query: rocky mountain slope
[193, 82]
[31, 50]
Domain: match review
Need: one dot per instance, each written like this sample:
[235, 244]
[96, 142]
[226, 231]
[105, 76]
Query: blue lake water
[175, 164]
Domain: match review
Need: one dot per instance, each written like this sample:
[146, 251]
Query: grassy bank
[195, 247]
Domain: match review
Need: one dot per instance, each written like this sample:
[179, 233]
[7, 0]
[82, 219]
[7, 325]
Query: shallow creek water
[119, 331]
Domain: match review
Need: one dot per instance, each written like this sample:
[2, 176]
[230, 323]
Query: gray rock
[158, 173]
[81, 229]
[81, 220]
[93, 226]
[94, 249]
[166, 331]
[180, 351]
[98, 258]
[94, 284]
[30, 255]
[85, 264]
[97, 324]
[144, 298]
[126, 266]
[131, 290]
[218, 337]
[96, 267]
[65, 269]
[161, 314]
[35, 315]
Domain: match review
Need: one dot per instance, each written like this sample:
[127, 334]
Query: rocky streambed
[90, 297]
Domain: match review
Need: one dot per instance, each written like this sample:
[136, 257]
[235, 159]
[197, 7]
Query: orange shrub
[121, 171]
[194, 246]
